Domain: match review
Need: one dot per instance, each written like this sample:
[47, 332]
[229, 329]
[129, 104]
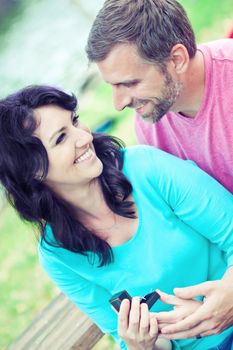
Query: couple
[138, 218]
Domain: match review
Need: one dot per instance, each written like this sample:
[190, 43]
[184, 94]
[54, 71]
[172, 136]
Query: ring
[198, 336]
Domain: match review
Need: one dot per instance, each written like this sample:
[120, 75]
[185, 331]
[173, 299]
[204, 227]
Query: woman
[109, 220]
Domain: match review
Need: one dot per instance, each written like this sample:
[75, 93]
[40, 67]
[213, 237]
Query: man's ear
[179, 58]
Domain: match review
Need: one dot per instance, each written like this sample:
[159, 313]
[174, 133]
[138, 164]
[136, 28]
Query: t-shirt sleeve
[196, 198]
[90, 298]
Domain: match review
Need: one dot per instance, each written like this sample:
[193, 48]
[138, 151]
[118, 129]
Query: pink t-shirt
[208, 138]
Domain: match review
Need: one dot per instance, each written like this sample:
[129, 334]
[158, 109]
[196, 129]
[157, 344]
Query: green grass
[25, 288]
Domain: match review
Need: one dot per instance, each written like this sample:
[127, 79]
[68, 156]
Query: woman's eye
[75, 120]
[60, 138]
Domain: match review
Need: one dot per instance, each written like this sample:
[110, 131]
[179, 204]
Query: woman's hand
[137, 326]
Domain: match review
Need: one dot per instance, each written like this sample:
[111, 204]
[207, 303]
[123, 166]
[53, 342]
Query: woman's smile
[88, 154]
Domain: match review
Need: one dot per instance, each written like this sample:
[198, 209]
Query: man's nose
[121, 98]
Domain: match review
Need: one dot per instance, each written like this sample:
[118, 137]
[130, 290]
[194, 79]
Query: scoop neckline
[137, 232]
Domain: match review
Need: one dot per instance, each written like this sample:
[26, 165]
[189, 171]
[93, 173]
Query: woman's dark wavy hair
[23, 157]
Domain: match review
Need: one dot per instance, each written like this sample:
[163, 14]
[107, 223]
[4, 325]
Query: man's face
[138, 84]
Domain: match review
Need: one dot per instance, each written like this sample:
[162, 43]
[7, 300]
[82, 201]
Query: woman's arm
[207, 207]
[90, 298]
[93, 301]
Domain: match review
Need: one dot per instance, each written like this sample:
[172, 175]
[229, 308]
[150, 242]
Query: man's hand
[181, 309]
[212, 317]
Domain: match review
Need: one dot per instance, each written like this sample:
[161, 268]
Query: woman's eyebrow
[72, 114]
[55, 133]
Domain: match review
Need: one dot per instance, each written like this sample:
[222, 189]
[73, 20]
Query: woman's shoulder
[143, 151]
[138, 152]
[148, 160]
[141, 161]
[145, 154]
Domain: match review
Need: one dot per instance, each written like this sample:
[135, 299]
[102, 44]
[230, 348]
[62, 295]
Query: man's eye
[128, 85]
[60, 138]
[75, 120]
[131, 84]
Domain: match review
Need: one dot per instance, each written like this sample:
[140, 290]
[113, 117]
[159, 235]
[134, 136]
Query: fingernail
[159, 291]
[126, 300]
[136, 299]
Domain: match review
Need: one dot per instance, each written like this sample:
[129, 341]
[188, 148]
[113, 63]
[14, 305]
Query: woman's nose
[82, 138]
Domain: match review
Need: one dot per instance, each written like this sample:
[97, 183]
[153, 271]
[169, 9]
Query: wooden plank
[60, 326]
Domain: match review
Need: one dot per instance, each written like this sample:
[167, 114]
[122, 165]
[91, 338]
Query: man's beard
[163, 104]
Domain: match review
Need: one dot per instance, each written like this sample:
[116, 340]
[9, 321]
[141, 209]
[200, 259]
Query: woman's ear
[180, 58]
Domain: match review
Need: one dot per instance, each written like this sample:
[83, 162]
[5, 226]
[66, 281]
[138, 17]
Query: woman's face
[71, 154]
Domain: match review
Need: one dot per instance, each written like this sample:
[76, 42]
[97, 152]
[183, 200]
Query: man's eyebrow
[126, 82]
[56, 133]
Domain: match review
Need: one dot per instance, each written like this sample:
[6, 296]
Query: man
[146, 50]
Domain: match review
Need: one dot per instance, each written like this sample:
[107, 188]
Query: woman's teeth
[84, 156]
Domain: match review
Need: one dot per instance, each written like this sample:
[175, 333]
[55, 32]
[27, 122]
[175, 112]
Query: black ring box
[117, 298]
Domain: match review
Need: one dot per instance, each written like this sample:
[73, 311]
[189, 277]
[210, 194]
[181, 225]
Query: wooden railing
[60, 326]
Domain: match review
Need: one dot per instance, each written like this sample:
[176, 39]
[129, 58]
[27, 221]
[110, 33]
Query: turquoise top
[184, 237]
